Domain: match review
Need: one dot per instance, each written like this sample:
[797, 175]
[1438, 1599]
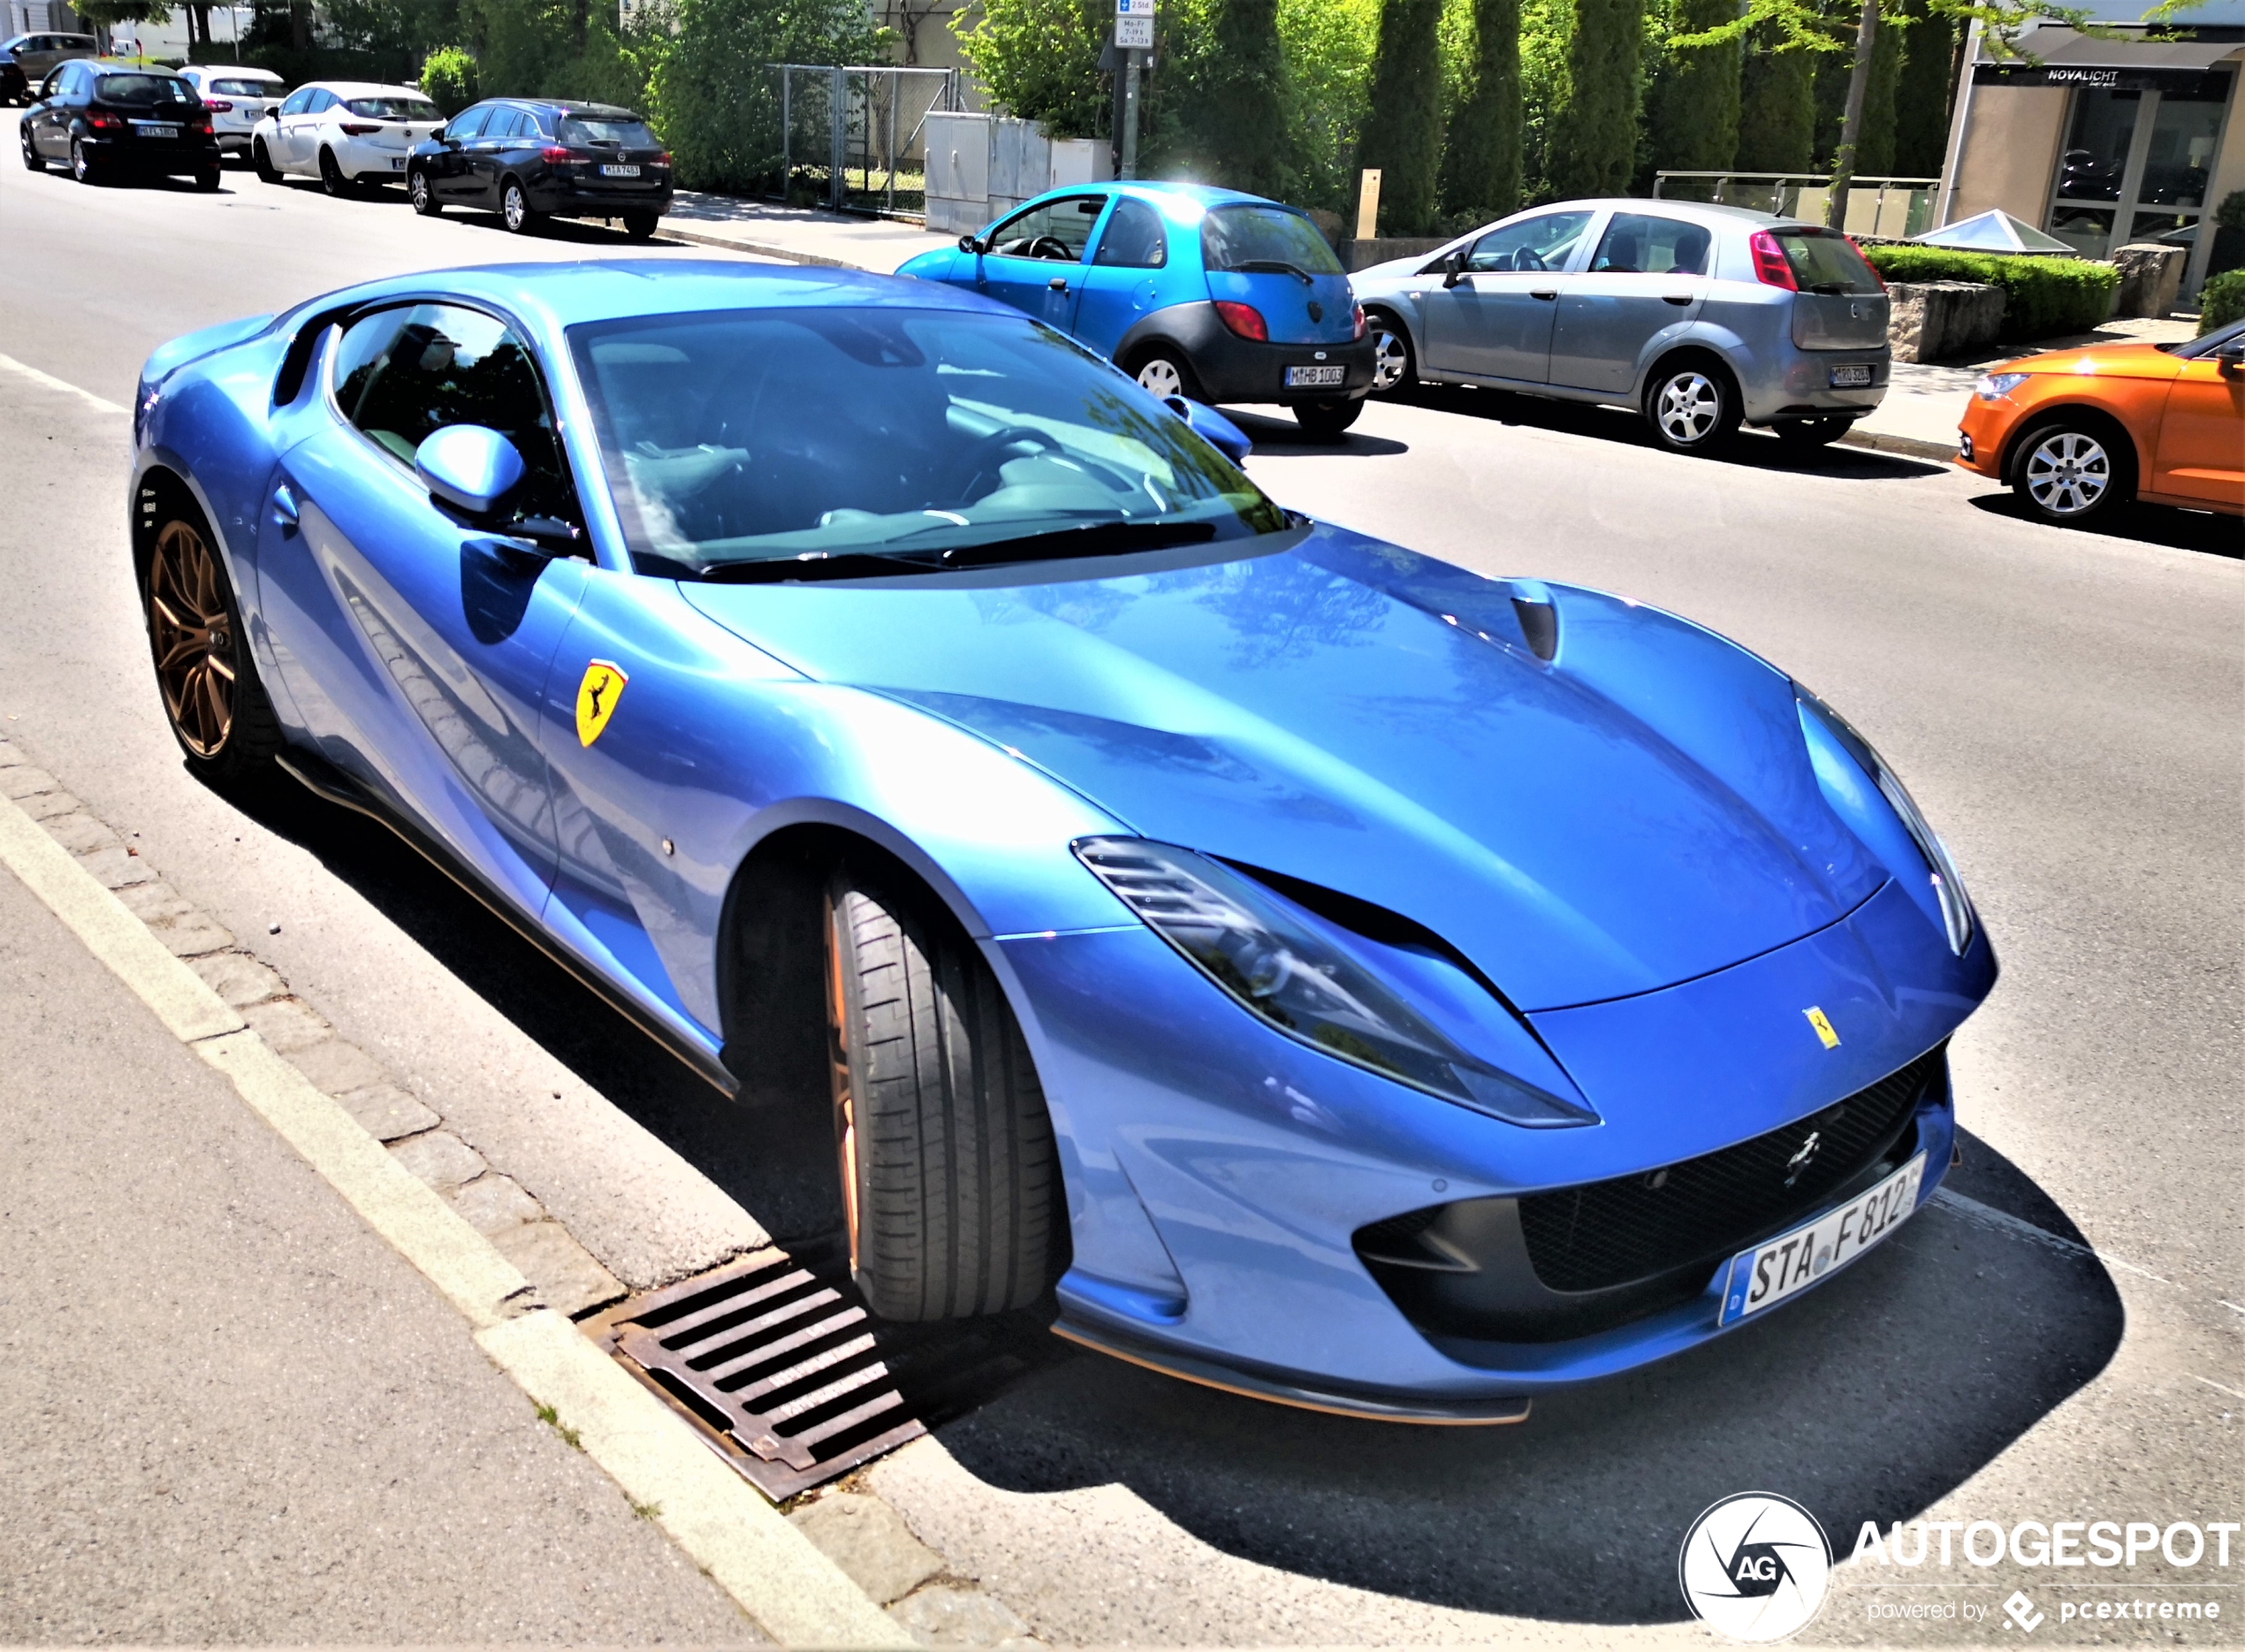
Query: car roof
[571, 105]
[233, 71]
[362, 88]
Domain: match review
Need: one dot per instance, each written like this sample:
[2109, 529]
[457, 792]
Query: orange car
[2077, 431]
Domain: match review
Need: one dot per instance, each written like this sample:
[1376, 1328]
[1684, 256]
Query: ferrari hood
[1633, 811]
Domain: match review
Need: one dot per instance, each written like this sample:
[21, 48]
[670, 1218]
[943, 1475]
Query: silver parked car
[1699, 317]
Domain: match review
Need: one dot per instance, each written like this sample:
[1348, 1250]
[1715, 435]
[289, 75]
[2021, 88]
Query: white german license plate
[620, 171]
[1854, 376]
[169, 133]
[1335, 375]
[397, 162]
[1775, 1268]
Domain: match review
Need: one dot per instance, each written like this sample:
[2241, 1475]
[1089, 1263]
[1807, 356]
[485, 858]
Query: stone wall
[1932, 320]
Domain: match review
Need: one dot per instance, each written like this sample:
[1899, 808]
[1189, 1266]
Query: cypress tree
[1834, 68]
[1692, 109]
[1403, 129]
[1593, 139]
[1875, 147]
[1777, 109]
[1240, 109]
[1481, 161]
[1921, 93]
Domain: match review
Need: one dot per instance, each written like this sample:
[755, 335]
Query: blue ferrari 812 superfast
[1321, 971]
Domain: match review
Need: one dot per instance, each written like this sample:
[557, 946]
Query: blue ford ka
[1192, 291]
[1332, 975]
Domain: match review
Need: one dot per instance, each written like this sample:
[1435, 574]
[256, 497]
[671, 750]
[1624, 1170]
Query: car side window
[468, 124]
[500, 123]
[1057, 230]
[295, 103]
[401, 374]
[1638, 244]
[1134, 238]
[1545, 241]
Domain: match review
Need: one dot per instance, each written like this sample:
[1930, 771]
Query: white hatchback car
[349, 134]
[238, 99]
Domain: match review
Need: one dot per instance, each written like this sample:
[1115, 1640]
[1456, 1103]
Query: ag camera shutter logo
[1754, 1567]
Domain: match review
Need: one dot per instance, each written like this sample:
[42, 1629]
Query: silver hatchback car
[1701, 318]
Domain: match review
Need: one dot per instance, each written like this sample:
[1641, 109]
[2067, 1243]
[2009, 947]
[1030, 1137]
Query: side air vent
[1540, 625]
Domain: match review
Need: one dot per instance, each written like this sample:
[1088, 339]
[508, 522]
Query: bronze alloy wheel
[192, 637]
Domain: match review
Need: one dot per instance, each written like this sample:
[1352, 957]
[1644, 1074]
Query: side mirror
[437, 136]
[2232, 357]
[468, 467]
[1453, 269]
[973, 244]
[1213, 428]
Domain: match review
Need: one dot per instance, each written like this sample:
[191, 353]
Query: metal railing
[860, 121]
[1892, 208]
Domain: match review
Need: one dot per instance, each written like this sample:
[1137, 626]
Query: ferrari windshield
[800, 434]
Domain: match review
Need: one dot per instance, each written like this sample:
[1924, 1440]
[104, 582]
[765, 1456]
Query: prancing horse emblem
[1804, 1157]
[596, 696]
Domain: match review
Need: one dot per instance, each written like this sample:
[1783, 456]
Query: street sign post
[1133, 35]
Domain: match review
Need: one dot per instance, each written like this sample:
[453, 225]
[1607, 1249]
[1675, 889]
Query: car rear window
[1824, 261]
[1241, 238]
[144, 88]
[603, 130]
[245, 89]
[393, 109]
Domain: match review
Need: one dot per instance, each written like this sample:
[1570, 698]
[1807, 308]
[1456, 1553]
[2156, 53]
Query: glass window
[1825, 261]
[298, 102]
[241, 88]
[504, 123]
[586, 131]
[786, 435]
[2180, 154]
[1056, 230]
[401, 374]
[2085, 229]
[393, 109]
[1637, 244]
[2095, 158]
[321, 101]
[468, 123]
[144, 88]
[1546, 241]
[1275, 238]
[1133, 238]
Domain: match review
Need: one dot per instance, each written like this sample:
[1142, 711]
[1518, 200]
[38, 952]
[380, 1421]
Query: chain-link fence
[853, 138]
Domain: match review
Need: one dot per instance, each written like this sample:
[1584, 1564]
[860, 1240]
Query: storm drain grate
[781, 1360]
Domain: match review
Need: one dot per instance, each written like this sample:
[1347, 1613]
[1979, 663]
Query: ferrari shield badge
[1818, 1019]
[596, 696]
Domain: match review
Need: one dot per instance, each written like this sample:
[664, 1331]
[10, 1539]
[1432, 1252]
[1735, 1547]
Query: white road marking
[2003, 1221]
[2210, 1382]
[50, 382]
[783, 1581]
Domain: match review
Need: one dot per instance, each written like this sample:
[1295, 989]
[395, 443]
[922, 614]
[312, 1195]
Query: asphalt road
[2064, 705]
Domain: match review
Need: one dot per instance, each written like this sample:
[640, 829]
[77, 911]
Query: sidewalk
[795, 235]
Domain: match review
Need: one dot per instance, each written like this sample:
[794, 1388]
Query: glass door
[2136, 165]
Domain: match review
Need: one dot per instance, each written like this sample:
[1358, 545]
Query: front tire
[424, 196]
[943, 1142]
[267, 172]
[204, 673]
[1395, 366]
[1325, 421]
[641, 225]
[514, 208]
[1692, 405]
[2072, 471]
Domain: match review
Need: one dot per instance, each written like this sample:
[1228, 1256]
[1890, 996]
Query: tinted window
[393, 109]
[144, 88]
[467, 123]
[1243, 237]
[752, 436]
[77, 43]
[1056, 230]
[243, 88]
[1636, 244]
[1824, 261]
[1133, 237]
[580, 131]
[1546, 241]
[401, 374]
[297, 103]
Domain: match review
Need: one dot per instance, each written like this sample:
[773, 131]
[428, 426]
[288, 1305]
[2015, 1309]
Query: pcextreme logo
[1754, 1567]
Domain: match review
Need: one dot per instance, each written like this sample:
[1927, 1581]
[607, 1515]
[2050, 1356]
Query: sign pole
[1133, 38]
[1131, 113]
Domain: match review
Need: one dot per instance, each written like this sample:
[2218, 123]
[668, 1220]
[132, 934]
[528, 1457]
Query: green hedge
[2221, 300]
[2042, 296]
[448, 77]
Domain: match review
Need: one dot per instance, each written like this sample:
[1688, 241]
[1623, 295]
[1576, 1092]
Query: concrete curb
[762, 250]
[1914, 446]
[782, 1580]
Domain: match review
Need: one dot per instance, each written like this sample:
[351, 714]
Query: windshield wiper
[1275, 266]
[1084, 540]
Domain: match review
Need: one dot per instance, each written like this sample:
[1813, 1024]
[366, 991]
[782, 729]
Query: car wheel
[1325, 420]
[1165, 374]
[267, 172]
[1803, 435]
[83, 167]
[207, 180]
[216, 707]
[1692, 405]
[2071, 472]
[31, 158]
[1394, 367]
[331, 178]
[514, 207]
[422, 196]
[641, 225]
[942, 1140]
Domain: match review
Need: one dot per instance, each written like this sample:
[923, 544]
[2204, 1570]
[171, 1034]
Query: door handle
[1551, 291]
[1059, 283]
[284, 509]
[1676, 298]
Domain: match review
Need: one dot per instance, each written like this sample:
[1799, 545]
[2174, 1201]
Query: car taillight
[1243, 319]
[1357, 324]
[663, 159]
[1771, 267]
[200, 120]
[219, 106]
[105, 122]
[360, 129]
[555, 153]
[1867, 264]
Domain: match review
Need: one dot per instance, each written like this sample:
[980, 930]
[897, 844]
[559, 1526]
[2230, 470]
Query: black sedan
[105, 120]
[529, 159]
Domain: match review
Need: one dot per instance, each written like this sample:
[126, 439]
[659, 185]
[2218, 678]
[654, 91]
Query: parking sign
[1134, 25]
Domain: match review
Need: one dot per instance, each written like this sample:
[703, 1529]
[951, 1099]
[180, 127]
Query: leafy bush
[2222, 300]
[2042, 296]
[2231, 214]
[716, 103]
[448, 76]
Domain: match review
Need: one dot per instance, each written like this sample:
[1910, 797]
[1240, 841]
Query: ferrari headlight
[1278, 961]
[1956, 908]
[1993, 386]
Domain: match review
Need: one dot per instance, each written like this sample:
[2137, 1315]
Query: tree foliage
[449, 78]
[1594, 130]
[1233, 130]
[1922, 92]
[1777, 109]
[1480, 174]
[711, 94]
[1039, 59]
[1692, 107]
[1403, 129]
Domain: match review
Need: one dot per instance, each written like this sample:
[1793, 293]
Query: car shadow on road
[2144, 524]
[1276, 430]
